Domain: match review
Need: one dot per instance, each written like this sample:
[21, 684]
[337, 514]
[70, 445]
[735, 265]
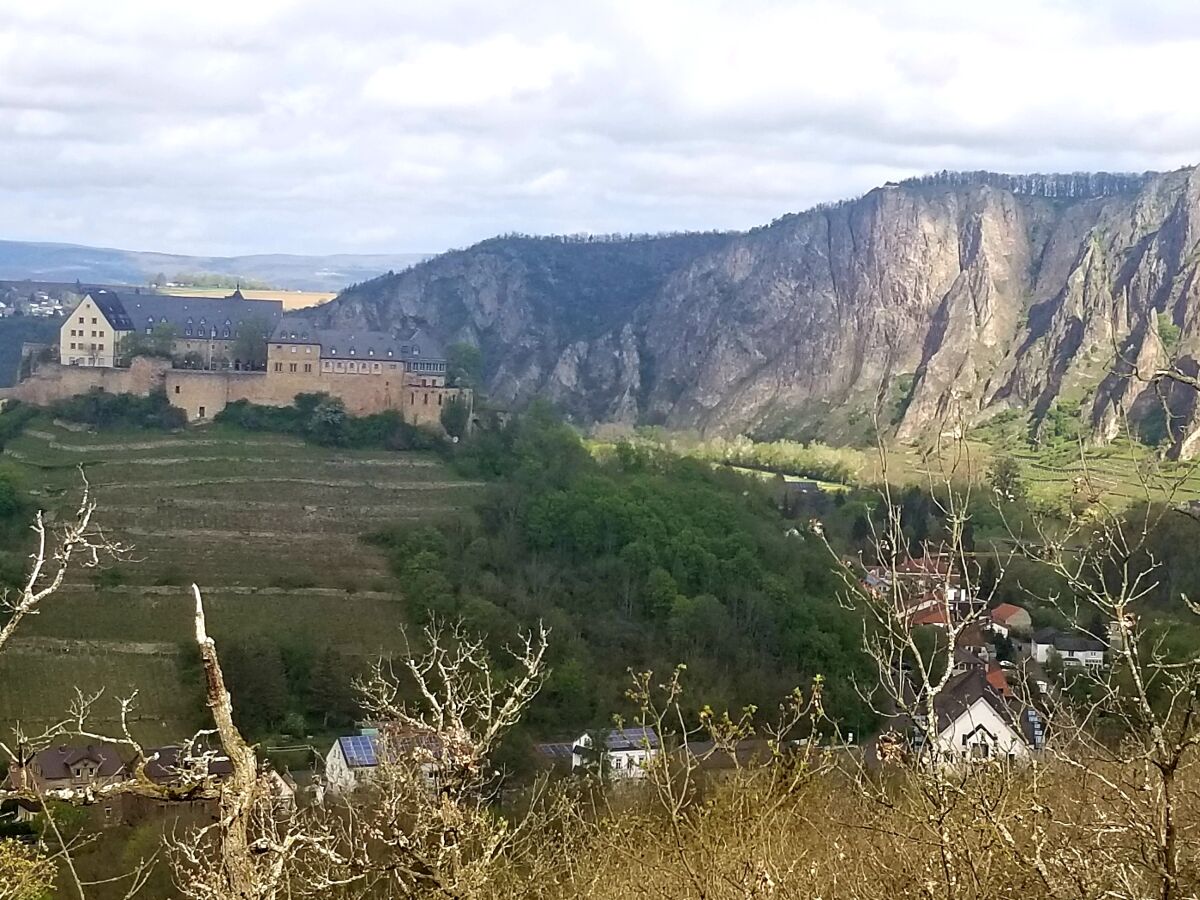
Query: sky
[329, 127]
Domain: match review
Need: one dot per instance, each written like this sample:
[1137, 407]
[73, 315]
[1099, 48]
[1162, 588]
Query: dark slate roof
[110, 304]
[162, 765]
[56, 762]
[151, 309]
[349, 343]
[1068, 643]
[635, 738]
[961, 692]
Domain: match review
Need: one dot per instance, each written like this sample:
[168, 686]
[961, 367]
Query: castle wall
[203, 394]
[56, 382]
[362, 394]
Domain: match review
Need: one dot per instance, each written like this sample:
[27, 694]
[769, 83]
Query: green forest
[638, 561]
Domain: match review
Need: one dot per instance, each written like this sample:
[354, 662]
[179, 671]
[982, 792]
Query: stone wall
[362, 394]
[202, 394]
[55, 382]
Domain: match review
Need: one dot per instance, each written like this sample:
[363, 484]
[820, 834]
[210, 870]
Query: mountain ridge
[954, 296]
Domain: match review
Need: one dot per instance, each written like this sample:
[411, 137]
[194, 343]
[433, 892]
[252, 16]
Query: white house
[625, 755]
[349, 761]
[974, 722]
[90, 334]
[1071, 649]
[354, 759]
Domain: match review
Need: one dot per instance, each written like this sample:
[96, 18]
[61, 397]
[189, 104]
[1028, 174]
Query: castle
[226, 349]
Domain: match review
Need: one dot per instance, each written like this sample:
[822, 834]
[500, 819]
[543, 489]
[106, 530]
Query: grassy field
[268, 527]
[291, 299]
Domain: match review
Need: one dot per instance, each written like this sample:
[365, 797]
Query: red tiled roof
[1006, 611]
[935, 615]
[998, 680]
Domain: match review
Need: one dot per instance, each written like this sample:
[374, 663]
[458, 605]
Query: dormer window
[351, 351]
[416, 351]
[389, 353]
[370, 351]
[333, 350]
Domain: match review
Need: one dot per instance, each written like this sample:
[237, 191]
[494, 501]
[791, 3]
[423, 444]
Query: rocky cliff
[957, 296]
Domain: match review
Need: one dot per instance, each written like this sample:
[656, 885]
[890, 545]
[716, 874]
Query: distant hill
[103, 265]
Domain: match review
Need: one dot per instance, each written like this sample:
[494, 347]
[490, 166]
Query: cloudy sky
[271, 125]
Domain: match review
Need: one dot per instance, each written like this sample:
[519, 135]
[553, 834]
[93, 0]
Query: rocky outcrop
[955, 296]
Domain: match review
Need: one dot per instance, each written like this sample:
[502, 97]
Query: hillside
[105, 265]
[267, 526]
[960, 294]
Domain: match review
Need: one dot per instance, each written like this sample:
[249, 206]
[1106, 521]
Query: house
[625, 753]
[1070, 649]
[974, 722]
[68, 767]
[1008, 618]
[89, 336]
[354, 759]
[166, 766]
[926, 590]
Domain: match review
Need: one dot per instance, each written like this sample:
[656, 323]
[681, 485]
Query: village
[990, 707]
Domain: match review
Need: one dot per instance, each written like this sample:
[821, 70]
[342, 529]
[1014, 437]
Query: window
[376, 367]
[392, 367]
[201, 412]
[188, 331]
[351, 351]
[293, 349]
[149, 330]
[93, 320]
[412, 399]
[308, 367]
[439, 399]
[225, 333]
[291, 367]
[72, 346]
[177, 389]
[81, 320]
[426, 403]
[278, 367]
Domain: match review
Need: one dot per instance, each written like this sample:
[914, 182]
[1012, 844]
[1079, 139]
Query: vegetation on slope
[638, 561]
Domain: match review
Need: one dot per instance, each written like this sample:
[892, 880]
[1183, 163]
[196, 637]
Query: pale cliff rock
[984, 292]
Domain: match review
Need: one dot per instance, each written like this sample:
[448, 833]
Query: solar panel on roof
[359, 750]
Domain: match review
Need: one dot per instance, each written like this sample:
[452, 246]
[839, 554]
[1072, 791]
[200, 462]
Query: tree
[456, 417]
[250, 345]
[159, 343]
[1006, 479]
[327, 426]
[464, 365]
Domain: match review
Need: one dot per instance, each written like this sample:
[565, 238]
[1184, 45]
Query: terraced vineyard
[1121, 472]
[268, 527]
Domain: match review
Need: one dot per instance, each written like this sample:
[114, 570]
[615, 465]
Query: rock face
[955, 296]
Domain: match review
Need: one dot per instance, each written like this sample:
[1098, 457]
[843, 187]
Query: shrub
[105, 410]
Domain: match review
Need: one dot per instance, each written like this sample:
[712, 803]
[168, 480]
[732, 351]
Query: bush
[105, 410]
[323, 420]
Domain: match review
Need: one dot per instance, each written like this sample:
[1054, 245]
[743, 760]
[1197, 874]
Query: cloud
[373, 126]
